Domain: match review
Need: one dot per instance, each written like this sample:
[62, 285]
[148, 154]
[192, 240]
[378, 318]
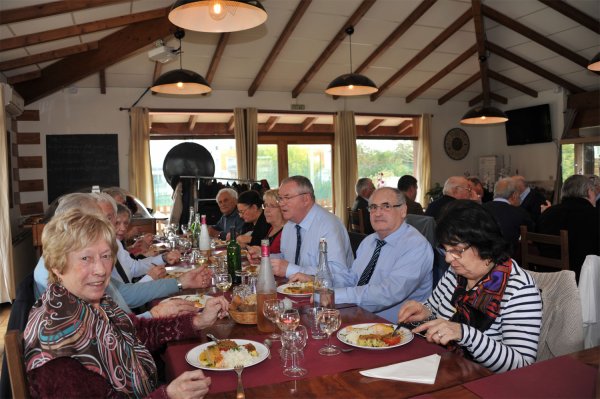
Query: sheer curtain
[246, 141]
[345, 165]
[569, 118]
[6, 271]
[140, 167]
[424, 158]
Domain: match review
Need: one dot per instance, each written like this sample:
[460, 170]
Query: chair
[562, 323]
[355, 240]
[356, 221]
[426, 226]
[590, 300]
[530, 256]
[13, 352]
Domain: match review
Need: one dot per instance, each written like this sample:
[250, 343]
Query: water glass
[288, 320]
[224, 282]
[292, 345]
[271, 309]
[329, 321]
[313, 319]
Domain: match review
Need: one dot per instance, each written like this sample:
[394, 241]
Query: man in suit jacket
[531, 199]
[506, 211]
[364, 188]
[456, 187]
[407, 184]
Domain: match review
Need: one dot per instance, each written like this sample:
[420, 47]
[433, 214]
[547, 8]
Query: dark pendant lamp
[217, 15]
[181, 81]
[485, 115]
[595, 63]
[351, 84]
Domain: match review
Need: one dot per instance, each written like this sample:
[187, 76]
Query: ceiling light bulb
[216, 10]
[351, 87]
[180, 84]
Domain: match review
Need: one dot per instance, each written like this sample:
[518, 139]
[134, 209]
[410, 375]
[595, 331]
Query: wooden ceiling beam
[535, 36]
[445, 71]
[80, 29]
[404, 125]
[192, 122]
[111, 49]
[481, 51]
[24, 77]
[442, 37]
[217, 55]
[396, 34]
[502, 52]
[102, 77]
[496, 97]
[230, 124]
[308, 122]
[47, 56]
[571, 12]
[271, 122]
[459, 88]
[374, 124]
[512, 83]
[281, 41]
[49, 9]
[332, 46]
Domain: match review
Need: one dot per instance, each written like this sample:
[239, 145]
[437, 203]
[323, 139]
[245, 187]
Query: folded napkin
[421, 370]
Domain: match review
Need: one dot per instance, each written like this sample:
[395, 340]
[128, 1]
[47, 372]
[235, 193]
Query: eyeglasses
[384, 207]
[289, 197]
[242, 211]
[456, 253]
[272, 206]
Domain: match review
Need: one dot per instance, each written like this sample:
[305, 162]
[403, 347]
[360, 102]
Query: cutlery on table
[213, 338]
[240, 387]
[345, 350]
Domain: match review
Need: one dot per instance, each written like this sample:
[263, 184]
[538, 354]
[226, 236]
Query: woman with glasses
[485, 305]
[250, 209]
[275, 219]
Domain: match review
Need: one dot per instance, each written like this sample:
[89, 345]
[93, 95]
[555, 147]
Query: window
[266, 163]
[314, 161]
[385, 161]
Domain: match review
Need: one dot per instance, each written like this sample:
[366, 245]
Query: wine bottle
[265, 288]
[324, 294]
[234, 258]
[194, 228]
[204, 238]
[191, 219]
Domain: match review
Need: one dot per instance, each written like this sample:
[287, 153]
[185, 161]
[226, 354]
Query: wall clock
[456, 143]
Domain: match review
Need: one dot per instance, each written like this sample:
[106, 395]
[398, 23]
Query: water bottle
[324, 294]
[204, 238]
[265, 288]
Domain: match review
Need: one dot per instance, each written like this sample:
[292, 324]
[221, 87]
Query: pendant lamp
[595, 63]
[484, 115]
[217, 15]
[181, 81]
[351, 84]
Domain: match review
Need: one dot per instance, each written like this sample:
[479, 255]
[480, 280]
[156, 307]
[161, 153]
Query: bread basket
[243, 317]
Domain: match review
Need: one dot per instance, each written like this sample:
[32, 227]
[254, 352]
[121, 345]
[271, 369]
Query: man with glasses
[227, 199]
[306, 223]
[456, 187]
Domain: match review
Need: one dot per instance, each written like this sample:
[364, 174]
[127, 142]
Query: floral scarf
[103, 341]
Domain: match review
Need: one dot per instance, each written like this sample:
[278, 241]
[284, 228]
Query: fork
[345, 350]
[240, 388]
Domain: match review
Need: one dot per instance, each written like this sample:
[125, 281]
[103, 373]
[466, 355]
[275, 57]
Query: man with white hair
[364, 188]
[455, 187]
[531, 199]
[227, 201]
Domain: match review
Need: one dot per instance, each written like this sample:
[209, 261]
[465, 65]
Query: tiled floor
[4, 313]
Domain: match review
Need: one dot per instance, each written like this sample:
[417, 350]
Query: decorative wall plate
[456, 143]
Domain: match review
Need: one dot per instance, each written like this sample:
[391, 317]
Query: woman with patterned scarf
[79, 343]
[485, 305]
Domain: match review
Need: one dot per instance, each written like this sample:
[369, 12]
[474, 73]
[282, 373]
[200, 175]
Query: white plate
[201, 299]
[193, 355]
[282, 287]
[407, 336]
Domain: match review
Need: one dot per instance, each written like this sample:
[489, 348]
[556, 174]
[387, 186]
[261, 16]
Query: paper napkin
[421, 370]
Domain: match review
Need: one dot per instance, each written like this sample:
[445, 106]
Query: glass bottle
[204, 238]
[194, 228]
[191, 219]
[324, 294]
[234, 258]
[265, 288]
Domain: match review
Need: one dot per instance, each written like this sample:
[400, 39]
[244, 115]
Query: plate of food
[176, 271]
[374, 336]
[296, 289]
[226, 354]
[198, 300]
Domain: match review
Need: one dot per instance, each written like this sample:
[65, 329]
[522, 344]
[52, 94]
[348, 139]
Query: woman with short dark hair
[250, 208]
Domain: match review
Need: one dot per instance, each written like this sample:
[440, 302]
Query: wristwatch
[179, 285]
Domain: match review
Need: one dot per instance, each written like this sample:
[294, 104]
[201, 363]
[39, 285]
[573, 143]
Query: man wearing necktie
[392, 265]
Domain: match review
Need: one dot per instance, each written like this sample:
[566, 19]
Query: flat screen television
[529, 125]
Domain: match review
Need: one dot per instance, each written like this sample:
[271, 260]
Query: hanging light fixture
[484, 115]
[181, 81]
[217, 15]
[351, 84]
[595, 63]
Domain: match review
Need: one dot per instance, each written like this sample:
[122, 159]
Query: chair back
[355, 221]
[562, 323]
[13, 351]
[589, 289]
[531, 257]
[355, 240]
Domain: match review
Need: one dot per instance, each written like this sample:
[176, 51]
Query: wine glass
[329, 322]
[271, 310]
[184, 229]
[293, 343]
[288, 320]
[224, 282]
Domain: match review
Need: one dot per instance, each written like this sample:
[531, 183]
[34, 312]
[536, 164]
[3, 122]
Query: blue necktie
[368, 272]
[298, 244]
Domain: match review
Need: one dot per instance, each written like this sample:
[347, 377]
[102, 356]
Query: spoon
[345, 350]
[212, 337]
[268, 344]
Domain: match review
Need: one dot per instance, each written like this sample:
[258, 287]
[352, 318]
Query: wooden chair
[356, 221]
[355, 240]
[13, 351]
[530, 256]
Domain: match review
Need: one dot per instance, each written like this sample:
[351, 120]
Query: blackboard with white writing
[79, 160]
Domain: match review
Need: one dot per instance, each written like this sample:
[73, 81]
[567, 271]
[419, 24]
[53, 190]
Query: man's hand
[301, 277]
[172, 257]
[215, 308]
[213, 232]
[196, 278]
[173, 307]
[545, 206]
[157, 272]
[279, 267]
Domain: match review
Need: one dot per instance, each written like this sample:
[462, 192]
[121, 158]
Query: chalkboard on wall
[78, 160]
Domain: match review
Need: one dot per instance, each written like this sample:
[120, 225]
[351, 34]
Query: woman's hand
[197, 278]
[157, 272]
[215, 308]
[243, 240]
[191, 384]
[413, 311]
[441, 331]
[253, 252]
[301, 277]
[173, 307]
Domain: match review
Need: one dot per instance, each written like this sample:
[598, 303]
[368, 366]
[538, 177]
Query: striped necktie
[298, 244]
[368, 272]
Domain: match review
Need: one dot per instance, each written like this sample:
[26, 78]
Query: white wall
[88, 111]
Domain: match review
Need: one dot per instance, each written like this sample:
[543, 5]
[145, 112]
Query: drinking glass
[313, 318]
[271, 309]
[293, 343]
[224, 282]
[184, 229]
[329, 322]
[288, 320]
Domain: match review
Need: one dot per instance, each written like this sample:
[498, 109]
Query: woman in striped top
[485, 305]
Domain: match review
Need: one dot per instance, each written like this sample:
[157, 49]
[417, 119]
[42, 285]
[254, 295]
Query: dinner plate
[197, 299]
[193, 355]
[176, 271]
[407, 336]
[281, 290]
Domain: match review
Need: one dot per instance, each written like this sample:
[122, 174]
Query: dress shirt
[316, 224]
[227, 222]
[135, 267]
[524, 194]
[403, 272]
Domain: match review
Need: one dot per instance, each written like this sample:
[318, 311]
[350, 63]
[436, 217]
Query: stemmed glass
[224, 282]
[271, 310]
[185, 229]
[293, 343]
[329, 322]
[288, 320]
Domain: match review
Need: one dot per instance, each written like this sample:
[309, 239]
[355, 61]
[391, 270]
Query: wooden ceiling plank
[404, 125]
[47, 56]
[496, 97]
[53, 8]
[308, 122]
[512, 83]
[589, 99]
[476, 100]
[271, 122]
[535, 36]
[332, 46]
[102, 74]
[396, 34]
[281, 41]
[192, 122]
[80, 29]
[502, 52]
[442, 37]
[575, 14]
[459, 88]
[111, 49]
[217, 55]
[24, 77]
[374, 124]
[445, 71]
[481, 51]
[230, 124]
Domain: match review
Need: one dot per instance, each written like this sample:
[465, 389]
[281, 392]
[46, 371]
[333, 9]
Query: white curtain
[345, 165]
[424, 158]
[246, 141]
[6, 270]
[140, 167]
